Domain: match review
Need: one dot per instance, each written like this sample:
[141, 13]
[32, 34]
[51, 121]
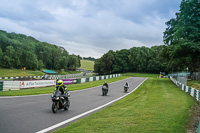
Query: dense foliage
[136, 59]
[18, 50]
[182, 37]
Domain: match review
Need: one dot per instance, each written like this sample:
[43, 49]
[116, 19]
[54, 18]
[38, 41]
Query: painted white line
[4, 97]
[85, 113]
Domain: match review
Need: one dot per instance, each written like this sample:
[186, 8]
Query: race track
[30, 114]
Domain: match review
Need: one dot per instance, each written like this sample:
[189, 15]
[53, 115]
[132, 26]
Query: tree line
[18, 51]
[180, 52]
[89, 58]
[136, 59]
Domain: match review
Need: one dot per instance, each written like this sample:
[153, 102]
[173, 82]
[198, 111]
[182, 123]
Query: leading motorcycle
[104, 90]
[126, 88]
[60, 101]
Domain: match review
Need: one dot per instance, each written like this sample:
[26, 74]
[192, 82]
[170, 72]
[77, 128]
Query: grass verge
[18, 72]
[156, 106]
[141, 75]
[194, 84]
[47, 90]
[87, 64]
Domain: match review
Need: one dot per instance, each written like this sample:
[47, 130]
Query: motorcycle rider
[105, 84]
[126, 84]
[62, 88]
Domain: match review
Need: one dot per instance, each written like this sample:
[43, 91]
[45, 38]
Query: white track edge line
[85, 113]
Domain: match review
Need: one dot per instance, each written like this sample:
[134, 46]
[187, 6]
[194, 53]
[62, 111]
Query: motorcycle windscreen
[57, 93]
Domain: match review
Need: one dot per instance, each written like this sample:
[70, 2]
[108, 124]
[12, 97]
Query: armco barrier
[191, 91]
[89, 79]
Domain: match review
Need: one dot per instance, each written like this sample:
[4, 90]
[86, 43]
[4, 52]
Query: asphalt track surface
[30, 114]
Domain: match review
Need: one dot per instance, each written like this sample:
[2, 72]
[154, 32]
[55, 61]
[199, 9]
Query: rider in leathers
[62, 88]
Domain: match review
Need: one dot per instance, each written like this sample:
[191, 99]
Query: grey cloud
[94, 24]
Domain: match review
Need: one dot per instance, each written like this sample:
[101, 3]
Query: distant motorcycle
[59, 101]
[104, 90]
[126, 88]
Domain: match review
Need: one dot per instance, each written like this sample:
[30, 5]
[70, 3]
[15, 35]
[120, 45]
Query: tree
[40, 65]
[1, 57]
[121, 61]
[183, 33]
[10, 58]
[72, 62]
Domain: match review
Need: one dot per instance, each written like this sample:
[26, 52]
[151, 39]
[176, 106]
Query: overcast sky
[90, 27]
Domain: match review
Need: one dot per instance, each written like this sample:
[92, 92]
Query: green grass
[47, 90]
[157, 106]
[87, 65]
[18, 72]
[62, 72]
[141, 75]
[194, 84]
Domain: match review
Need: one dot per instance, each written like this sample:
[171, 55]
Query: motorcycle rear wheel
[67, 106]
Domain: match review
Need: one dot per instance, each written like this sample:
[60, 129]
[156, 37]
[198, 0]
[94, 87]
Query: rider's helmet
[105, 82]
[60, 82]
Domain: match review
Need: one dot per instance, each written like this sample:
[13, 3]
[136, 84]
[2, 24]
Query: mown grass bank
[157, 106]
[18, 72]
[47, 90]
[87, 64]
[141, 75]
[194, 84]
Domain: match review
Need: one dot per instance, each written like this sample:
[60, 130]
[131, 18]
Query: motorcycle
[59, 101]
[104, 90]
[126, 88]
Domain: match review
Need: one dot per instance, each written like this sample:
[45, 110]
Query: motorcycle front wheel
[54, 107]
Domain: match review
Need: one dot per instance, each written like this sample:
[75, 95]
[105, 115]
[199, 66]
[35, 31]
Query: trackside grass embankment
[157, 106]
[47, 90]
[87, 64]
[18, 72]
